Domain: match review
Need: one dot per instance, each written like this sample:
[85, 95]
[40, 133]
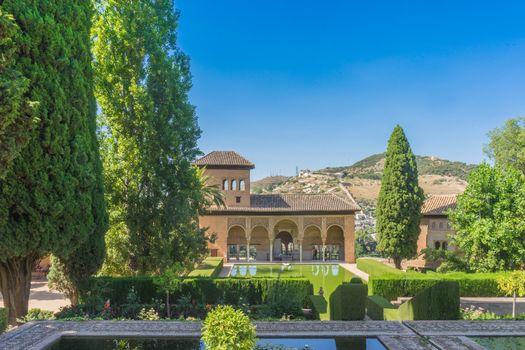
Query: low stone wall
[411, 335]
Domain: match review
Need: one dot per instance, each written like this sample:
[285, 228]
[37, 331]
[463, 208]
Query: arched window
[433, 225]
[234, 185]
[441, 225]
[242, 185]
[225, 185]
[437, 245]
[444, 246]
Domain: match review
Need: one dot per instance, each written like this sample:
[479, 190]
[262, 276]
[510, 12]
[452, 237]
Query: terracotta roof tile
[224, 158]
[292, 203]
[438, 204]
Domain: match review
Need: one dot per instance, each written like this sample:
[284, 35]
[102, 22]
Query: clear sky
[311, 84]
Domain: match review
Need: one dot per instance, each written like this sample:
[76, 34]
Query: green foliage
[255, 291]
[148, 315]
[513, 283]
[399, 202]
[438, 302]
[471, 284]
[37, 315]
[210, 267]
[490, 220]
[348, 301]
[365, 244]
[16, 121]
[3, 319]
[228, 329]
[52, 195]
[148, 136]
[376, 268]
[507, 144]
[378, 308]
[58, 280]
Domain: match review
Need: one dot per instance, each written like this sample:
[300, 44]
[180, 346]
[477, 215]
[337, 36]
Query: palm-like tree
[211, 193]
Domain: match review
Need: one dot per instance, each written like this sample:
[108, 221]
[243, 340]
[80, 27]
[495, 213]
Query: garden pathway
[354, 270]
[43, 298]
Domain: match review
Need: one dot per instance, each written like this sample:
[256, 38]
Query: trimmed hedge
[376, 268]
[348, 302]
[210, 267]
[378, 308]
[255, 291]
[3, 319]
[470, 284]
[439, 302]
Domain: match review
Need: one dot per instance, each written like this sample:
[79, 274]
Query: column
[323, 236]
[248, 250]
[324, 249]
[300, 250]
[271, 250]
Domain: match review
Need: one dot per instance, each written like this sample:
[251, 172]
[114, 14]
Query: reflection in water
[253, 270]
[242, 270]
[335, 270]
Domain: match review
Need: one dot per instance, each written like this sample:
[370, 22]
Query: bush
[378, 308]
[210, 267]
[254, 291]
[376, 268]
[470, 284]
[228, 329]
[37, 315]
[347, 302]
[3, 319]
[439, 302]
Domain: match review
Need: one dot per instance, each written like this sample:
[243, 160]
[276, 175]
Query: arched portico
[335, 243]
[260, 244]
[237, 243]
[312, 243]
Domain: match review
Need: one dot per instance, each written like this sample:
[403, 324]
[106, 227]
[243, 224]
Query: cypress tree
[51, 200]
[15, 109]
[399, 202]
[150, 137]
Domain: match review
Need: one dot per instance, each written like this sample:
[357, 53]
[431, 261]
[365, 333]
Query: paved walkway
[354, 270]
[43, 298]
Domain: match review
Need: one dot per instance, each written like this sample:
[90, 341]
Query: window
[437, 245]
[237, 199]
[441, 225]
[225, 185]
[444, 245]
[242, 185]
[234, 185]
[433, 225]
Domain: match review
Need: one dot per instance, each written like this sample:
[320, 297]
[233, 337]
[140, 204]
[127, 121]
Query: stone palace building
[269, 227]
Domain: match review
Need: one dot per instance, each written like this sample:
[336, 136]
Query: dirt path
[42, 298]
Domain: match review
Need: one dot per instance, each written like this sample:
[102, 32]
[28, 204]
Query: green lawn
[210, 267]
[328, 276]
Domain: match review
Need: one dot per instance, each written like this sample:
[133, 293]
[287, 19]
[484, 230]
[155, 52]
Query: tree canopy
[399, 202]
[149, 137]
[490, 220]
[51, 199]
[507, 144]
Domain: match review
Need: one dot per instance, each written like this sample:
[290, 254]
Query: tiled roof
[439, 204]
[224, 158]
[294, 203]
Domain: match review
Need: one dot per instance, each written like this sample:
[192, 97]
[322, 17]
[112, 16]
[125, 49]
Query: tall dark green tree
[399, 202]
[51, 200]
[149, 139]
[15, 109]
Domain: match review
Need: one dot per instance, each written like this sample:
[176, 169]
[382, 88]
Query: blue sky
[322, 83]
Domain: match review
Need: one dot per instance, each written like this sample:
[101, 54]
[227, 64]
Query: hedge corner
[348, 302]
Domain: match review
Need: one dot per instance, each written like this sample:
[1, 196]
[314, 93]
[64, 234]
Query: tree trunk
[15, 285]
[514, 306]
[397, 263]
[168, 307]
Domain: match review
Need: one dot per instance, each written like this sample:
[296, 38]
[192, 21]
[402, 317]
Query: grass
[376, 268]
[327, 276]
[210, 267]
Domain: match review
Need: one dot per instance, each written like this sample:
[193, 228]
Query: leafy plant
[36, 315]
[513, 285]
[228, 329]
[148, 315]
[169, 282]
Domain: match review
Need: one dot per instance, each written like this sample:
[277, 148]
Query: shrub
[348, 301]
[37, 315]
[376, 268]
[210, 267]
[378, 308]
[439, 302]
[3, 319]
[228, 329]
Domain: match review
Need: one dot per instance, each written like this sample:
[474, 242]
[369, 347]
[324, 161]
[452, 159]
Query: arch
[242, 185]
[237, 243]
[312, 243]
[260, 243]
[286, 240]
[234, 185]
[225, 185]
[335, 243]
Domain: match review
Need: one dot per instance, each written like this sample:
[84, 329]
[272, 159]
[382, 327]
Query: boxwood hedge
[348, 302]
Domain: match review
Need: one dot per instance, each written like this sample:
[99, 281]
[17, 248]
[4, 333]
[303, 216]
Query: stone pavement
[411, 335]
[354, 270]
[43, 298]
